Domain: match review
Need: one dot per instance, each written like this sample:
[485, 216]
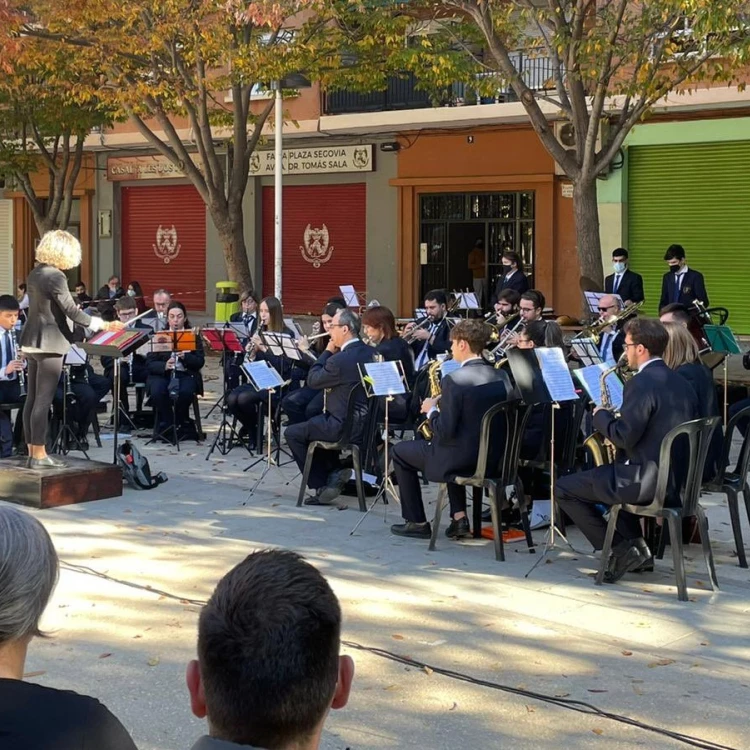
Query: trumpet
[504, 341]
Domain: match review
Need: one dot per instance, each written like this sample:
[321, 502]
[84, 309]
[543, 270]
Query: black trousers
[578, 494]
[743, 424]
[302, 404]
[43, 375]
[158, 386]
[9, 394]
[299, 436]
[409, 458]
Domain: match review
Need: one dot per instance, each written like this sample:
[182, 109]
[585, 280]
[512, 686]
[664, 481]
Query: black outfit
[133, 370]
[439, 343]
[234, 363]
[10, 393]
[737, 407]
[702, 380]
[692, 287]
[212, 743]
[153, 320]
[46, 331]
[338, 373]
[83, 299]
[249, 319]
[105, 294]
[655, 400]
[467, 394]
[397, 350]
[630, 287]
[518, 282]
[189, 383]
[33, 717]
[88, 388]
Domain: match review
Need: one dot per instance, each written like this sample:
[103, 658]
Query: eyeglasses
[338, 325]
[604, 309]
[627, 345]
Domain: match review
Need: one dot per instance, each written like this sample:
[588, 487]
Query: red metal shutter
[164, 241]
[322, 223]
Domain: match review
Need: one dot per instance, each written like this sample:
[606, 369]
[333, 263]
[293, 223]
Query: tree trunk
[586, 210]
[230, 227]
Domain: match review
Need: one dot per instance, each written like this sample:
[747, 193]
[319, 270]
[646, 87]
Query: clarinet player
[47, 336]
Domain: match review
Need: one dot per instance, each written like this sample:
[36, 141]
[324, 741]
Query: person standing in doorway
[476, 266]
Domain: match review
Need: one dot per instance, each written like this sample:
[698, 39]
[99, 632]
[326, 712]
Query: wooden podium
[79, 482]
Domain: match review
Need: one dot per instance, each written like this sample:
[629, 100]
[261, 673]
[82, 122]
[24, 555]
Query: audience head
[126, 309]
[9, 310]
[177, 318]
[379, 324]
[59, 249]
[161, 300]
[344, 327]
[675, 257]
[436, 304]
[619, 259]
[507, 302]
[468, 339]
[645, 339]
[682, 348]
[28, 573]
[80, 288]
[134, 289]
[113, 282]
[675, 312]
[268, 668]
[272, 314]
[249, 302]
[511, 261]
[531, 305]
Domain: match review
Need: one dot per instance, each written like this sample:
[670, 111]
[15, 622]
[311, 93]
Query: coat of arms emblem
[317, 248]
[166, 247]
[361, 158]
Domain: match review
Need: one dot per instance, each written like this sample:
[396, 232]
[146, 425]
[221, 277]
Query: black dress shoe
[620, 564]
[411, 529]
[458, 529]
[315, 499]
[45, 463]
[647, 566]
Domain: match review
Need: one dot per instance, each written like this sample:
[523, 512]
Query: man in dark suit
[157, 319]
[655, 400]
[513, 276]
[467, 394]
[612, 338]
[626, 283]
[10, 368]
[248, 315]
[111, 291]
[681, 284]
[336, 370]
[433, 338]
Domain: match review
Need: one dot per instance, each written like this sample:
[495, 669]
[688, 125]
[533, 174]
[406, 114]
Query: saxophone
[602, 450]
[21, 373]
[433, 379]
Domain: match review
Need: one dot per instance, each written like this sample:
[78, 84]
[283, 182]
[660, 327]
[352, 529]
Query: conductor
[47, 336]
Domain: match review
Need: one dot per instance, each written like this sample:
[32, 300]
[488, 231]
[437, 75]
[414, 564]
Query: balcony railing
[402, 92]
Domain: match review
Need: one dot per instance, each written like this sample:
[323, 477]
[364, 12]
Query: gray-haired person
[34, 717]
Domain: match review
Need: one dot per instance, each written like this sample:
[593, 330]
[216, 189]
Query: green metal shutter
[697, 196]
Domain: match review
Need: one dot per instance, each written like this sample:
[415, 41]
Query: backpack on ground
[135, 469]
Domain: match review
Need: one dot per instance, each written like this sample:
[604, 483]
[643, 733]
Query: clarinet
[21, 373]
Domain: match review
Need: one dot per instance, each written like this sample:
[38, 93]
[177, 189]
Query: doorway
[461, 239]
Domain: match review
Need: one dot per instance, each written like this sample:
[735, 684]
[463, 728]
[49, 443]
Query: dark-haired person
[432, 338]
[135, 292]
[157, 319]
[10, 369]
[626, 283]
[111, 290]
[379, 326]
[467, 394]
[269, 668]
[36, 717]
[512, 276]
[681, 284]
[186, 368]
[82, 297]
[338, 371]
[248, 313]
[655, 401]
[675, 312]
[506, 308]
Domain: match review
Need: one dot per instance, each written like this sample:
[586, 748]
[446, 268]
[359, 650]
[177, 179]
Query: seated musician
[430, 337]
[182, 366]
[675, 313]
[133, 369]
[531, 305]
[248, 314]
[157, 319]
[612, 337]
[655, 400]
[305, 403]
[10, 369]
[336, 370]
[506, 308]
[467, 394]
[244, 401]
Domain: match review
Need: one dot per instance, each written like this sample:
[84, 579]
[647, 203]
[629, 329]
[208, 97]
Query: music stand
[542, 377]
[591, 378]
[352, 297]
[587, 351]
[722, 340]
[65, 435]
[383, 380]
[264, 377]
[466, 301]
[593, 298]
[173, 342]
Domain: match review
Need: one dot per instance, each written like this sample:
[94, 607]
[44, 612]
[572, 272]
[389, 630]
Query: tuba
[433, 379]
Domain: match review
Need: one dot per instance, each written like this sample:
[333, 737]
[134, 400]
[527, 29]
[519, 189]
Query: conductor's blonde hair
[59, 249]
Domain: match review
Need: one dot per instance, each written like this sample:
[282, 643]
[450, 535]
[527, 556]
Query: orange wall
[499, 159]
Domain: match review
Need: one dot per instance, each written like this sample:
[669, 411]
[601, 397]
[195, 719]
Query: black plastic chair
[698, 433]
[343, 443]
[732, 483]
[494, 475]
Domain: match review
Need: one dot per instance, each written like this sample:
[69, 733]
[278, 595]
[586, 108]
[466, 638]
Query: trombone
[594, 330]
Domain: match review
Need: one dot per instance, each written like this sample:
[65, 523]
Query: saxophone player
[467, 394]
[11, 369]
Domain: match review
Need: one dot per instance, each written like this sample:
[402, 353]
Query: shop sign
[155, 167]
[322, 160]
[567, 190]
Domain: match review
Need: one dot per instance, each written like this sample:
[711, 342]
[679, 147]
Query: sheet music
[350, 295]
[384, 378]
[75, 356]
[282, 345]
[262, 375]
[291, 324]
[590, 379]
[592, 299]
[556, 374]
[466, 300]
[586, 351]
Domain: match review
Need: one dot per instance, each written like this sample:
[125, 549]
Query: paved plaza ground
[123, 619]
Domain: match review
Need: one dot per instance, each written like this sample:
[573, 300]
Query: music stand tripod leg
[270, 461]
[65, 434]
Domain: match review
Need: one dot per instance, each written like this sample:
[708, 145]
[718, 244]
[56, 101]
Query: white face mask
[131, 292]
[619, 267]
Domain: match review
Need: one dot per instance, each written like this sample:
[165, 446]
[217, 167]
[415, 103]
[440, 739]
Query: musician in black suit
[467, 394]
[626, 283]
[47, 335]
[506, 309]
[11, 368]
[681, 284]
[157, 318]
[248, 315]
[432, 336]
[513, 276]
[655, 400]
[612, 338]
[337, 370]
